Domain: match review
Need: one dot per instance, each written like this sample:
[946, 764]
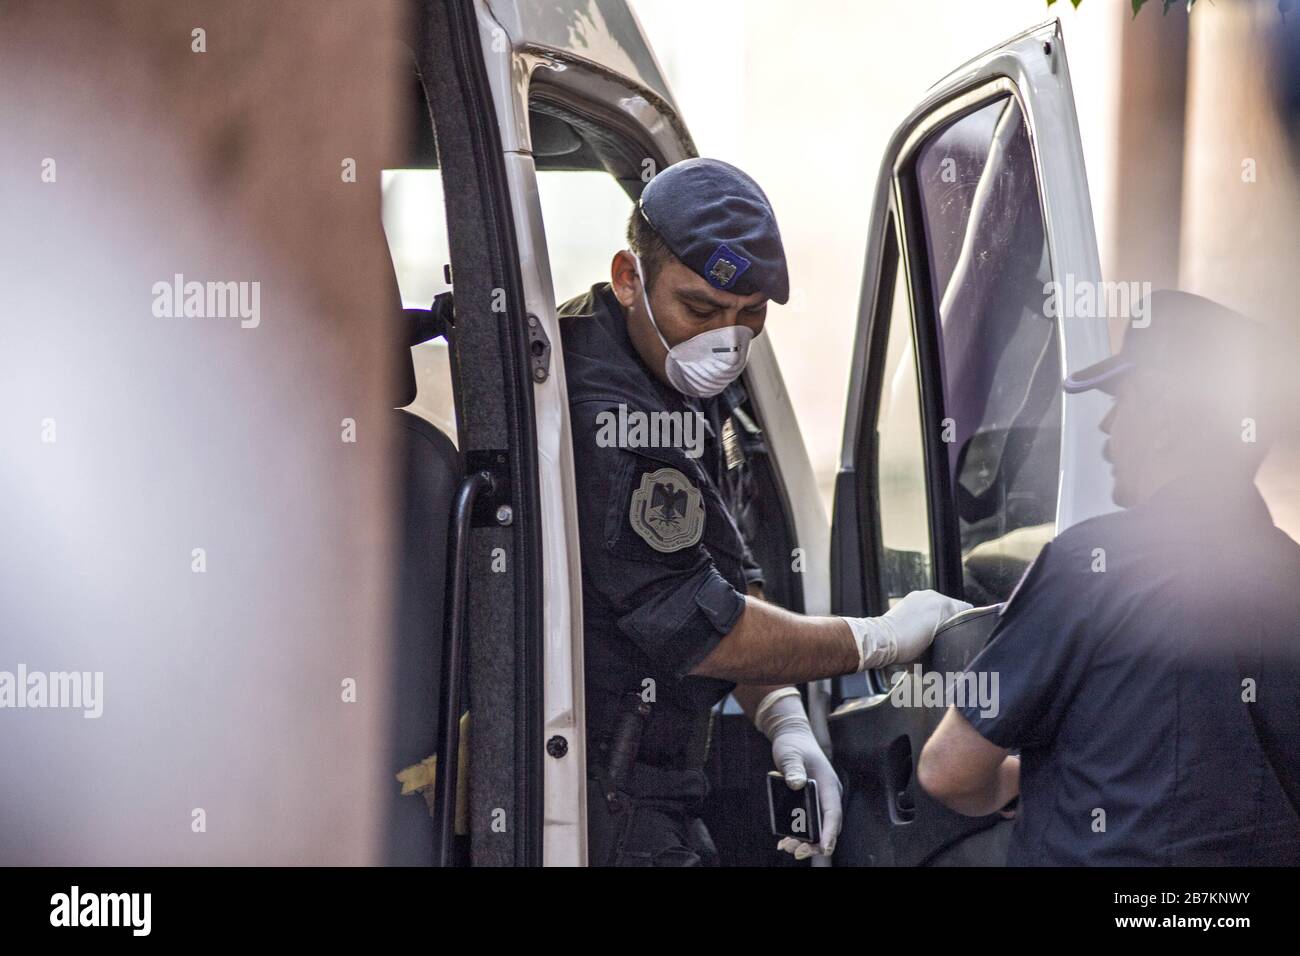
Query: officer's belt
[670, 739]
[598, 751]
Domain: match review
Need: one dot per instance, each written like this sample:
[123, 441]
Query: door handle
[899, 765]
[453, 675]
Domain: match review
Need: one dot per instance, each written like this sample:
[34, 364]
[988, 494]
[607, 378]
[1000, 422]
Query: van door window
[584, 214]
[415, 223]
[987, 261]
[904, 560]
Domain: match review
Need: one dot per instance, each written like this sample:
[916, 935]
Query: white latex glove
[904, 632]
[780, 716]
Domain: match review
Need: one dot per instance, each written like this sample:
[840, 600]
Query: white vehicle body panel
[595, 50]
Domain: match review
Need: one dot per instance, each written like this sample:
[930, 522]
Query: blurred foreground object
[194, 486]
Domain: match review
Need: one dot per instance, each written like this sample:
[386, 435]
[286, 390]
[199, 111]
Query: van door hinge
[539, 349]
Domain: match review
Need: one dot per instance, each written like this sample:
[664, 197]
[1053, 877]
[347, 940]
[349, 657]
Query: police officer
[672, 610]
[1148, 659]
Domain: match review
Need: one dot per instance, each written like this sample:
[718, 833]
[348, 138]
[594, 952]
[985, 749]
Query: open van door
[961, 455]
[549, 120]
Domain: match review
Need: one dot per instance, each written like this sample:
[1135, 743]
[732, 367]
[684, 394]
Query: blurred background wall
[805, 97]
[180, 510]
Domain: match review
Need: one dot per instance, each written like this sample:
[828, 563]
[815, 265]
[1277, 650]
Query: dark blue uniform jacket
[660, 589]
[1134, 661]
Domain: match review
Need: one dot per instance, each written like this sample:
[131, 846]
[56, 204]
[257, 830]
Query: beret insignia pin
[723, 271]
[725, 267]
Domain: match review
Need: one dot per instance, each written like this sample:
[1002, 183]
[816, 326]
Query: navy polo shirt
[658, 595]
[1122, 659]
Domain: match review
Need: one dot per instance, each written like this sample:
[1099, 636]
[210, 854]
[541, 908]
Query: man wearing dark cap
[1148, 658]
[672, 614]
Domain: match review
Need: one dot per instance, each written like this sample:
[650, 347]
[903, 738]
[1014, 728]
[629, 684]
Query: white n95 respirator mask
[704, 364]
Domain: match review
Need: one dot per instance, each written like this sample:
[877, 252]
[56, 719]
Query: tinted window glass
[999, 356]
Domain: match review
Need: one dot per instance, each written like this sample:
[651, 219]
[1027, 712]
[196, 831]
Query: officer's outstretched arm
[770, 645]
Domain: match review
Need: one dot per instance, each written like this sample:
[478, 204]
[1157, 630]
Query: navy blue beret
[717, 221]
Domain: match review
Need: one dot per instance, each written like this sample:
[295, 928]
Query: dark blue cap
[1194, 339]
[718, 222]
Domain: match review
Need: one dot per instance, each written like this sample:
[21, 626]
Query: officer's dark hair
[647, 244]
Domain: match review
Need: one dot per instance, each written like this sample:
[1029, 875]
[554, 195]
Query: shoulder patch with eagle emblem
[667, 511]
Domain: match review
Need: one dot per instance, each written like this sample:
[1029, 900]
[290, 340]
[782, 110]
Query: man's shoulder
[611, 430]
[611, 393]
[626, 461]
[587, 334]
[1105, 531]
[593, 302]
[603, 372]
[1064, 574]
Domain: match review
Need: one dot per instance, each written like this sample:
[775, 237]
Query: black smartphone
[794, 813]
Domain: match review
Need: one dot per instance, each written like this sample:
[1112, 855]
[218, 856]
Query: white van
[961, 455]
